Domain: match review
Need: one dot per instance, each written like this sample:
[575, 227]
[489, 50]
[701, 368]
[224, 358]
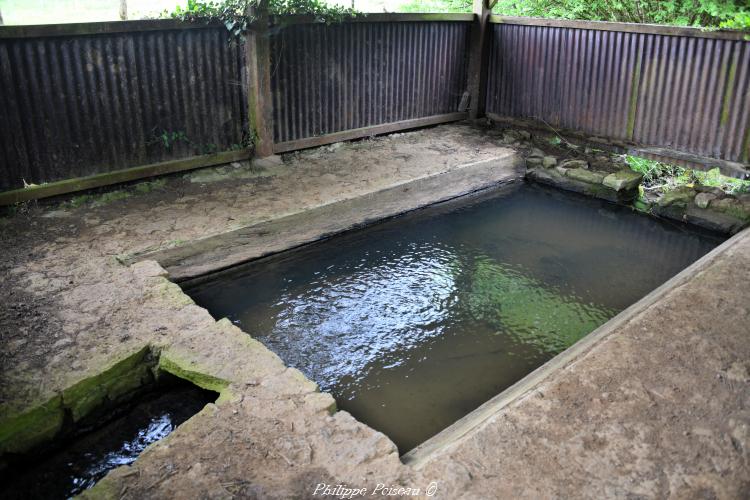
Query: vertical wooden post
[479, 58]
[258, 63]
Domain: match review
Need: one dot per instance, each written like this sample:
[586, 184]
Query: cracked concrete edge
[463, 429]
[228, 249]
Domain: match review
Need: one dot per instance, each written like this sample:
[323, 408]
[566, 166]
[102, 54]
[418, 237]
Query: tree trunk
[1, 18]
[123, 10]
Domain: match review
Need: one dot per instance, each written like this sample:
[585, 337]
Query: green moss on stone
[20, 433]
[623, 180]
[732, 207]
[172, 362]
[677, 197]
[642, 205]
[587, 176]
[123, 377]
[172, 293]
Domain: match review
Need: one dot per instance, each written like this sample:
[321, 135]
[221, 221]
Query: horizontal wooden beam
[652, 29]
[378, 18]
[119, 176]
[346, 135]
[102, 28]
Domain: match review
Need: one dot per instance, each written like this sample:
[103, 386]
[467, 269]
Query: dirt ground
[657, 409]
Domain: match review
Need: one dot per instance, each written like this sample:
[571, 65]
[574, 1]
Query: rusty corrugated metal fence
[86, 104]
[332, 78]
[686, 93]
[77, 100]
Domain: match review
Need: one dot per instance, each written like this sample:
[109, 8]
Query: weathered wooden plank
[118, 176]
[479, 58]
[260, 101]
[386, 128]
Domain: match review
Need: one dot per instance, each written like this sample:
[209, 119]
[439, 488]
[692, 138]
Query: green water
[413, 323]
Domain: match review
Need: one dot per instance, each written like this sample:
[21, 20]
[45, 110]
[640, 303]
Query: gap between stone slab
[81, 405]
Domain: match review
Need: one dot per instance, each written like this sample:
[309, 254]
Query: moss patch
[172, 362]
[122, 378]
[23, 432]
[584, 175]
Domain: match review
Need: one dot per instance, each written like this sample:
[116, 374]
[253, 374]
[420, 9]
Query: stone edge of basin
[471, 423]
[218, 252]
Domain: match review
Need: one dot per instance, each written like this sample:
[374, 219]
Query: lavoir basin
[414, 322]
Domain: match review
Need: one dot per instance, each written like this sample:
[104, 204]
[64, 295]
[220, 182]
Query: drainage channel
[117, 437]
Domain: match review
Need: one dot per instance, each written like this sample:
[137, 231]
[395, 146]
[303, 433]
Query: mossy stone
[171, 362]
[21, 433]
[584, 175]
[623, 180]
[677, 197]
[92, 393]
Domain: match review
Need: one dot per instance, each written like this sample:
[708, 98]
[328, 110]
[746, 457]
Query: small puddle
[413, 323]
[78, 464]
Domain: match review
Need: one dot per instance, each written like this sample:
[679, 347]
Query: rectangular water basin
[416, 321]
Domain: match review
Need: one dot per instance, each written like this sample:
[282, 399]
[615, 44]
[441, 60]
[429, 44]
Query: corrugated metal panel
[81, 105]
[327, 79]
[685, 93]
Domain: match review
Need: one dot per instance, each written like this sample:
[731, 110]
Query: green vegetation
[658, 176]
[237, 14]
[706, 13]
[98, 200]
[148, 186]
[437, 6]
[734, 14]
[168, 138]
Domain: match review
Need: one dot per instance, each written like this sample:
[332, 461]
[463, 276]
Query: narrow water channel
[413, 323]
[78, 464]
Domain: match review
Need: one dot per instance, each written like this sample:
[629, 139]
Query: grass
[148, 186]
[105, 198]
[658, 176]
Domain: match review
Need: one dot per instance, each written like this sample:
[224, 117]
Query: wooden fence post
[258, 61]
[479, 57]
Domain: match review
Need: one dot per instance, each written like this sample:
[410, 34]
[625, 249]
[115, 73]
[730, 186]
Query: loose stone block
[703, 200]
[549, 161]
[681, 196]
[584, 175]
[623, 180]
[533, 162]
[536, 153]
[575, 164]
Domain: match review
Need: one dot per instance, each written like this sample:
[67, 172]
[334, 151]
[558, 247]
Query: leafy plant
[658, 176]
[168, 138]
[437, 6]
[237, 15]
[704, 13]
